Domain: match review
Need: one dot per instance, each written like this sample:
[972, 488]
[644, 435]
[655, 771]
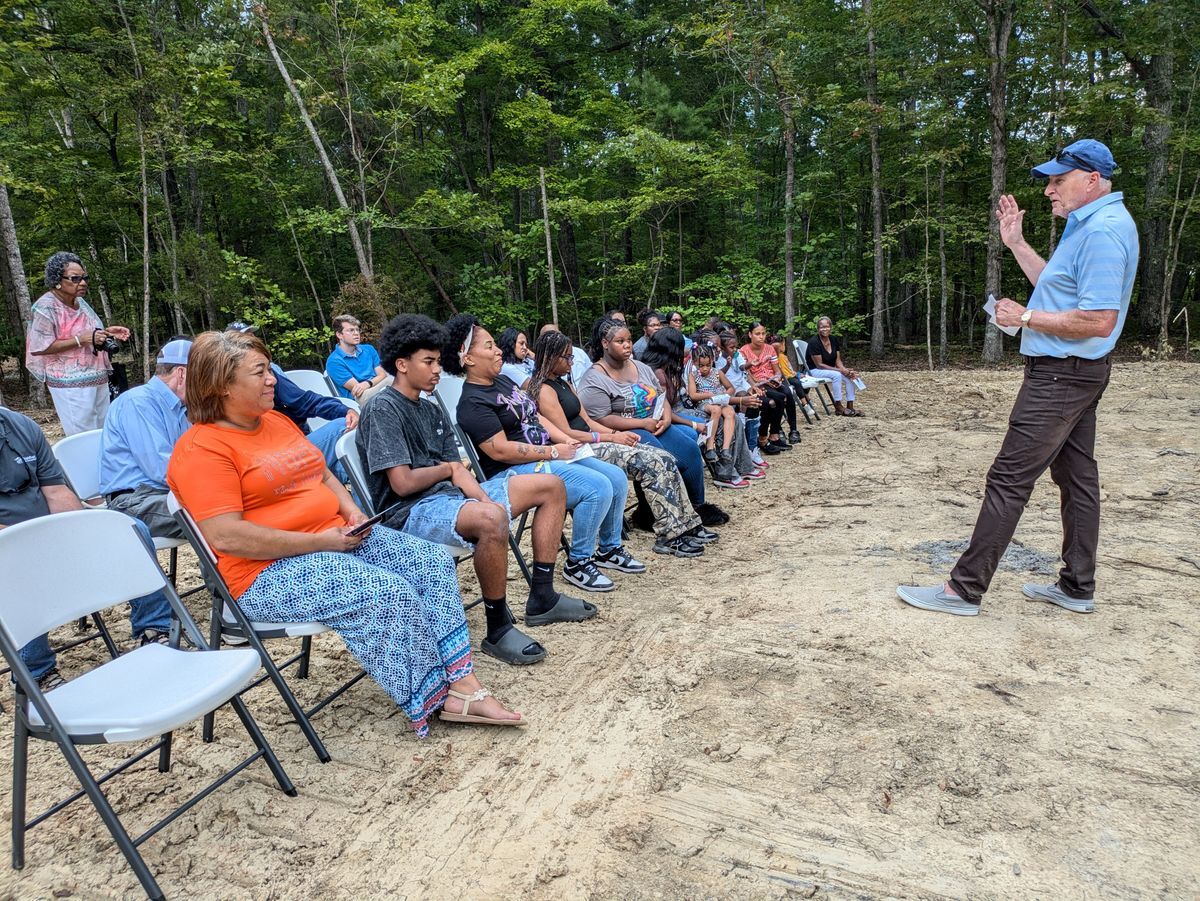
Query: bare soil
[767, 721]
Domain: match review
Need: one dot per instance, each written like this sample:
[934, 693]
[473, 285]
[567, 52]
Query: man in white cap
[1075, 315]
[140, 432]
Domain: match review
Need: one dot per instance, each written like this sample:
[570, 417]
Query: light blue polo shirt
[1092, 268]
[341, 367]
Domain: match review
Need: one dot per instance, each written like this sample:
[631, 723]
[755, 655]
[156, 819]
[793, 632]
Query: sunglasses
[75, 279]
[1075, 160]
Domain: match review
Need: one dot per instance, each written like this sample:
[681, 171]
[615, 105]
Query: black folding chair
[150, 691]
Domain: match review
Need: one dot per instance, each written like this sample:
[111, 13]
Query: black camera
[110, 345]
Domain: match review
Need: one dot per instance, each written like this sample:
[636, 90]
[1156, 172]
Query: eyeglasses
[1072, 159]
[76, 279]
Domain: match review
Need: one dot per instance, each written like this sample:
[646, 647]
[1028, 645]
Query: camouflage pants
[654, 470]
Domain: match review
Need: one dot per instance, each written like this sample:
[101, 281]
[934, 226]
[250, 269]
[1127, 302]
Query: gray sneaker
[935, 598]
[1055, 595]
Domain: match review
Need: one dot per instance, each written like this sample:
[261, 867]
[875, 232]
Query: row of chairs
[110, 703]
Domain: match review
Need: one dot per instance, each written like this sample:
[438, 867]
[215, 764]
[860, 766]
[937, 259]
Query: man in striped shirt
[1075, 314]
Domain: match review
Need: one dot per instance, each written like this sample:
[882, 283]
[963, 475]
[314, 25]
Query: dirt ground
[767, 721]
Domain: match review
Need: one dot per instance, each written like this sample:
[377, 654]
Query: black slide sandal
[565, 610]
[512, 648]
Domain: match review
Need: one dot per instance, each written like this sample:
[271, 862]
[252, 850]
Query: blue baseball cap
[240, 326]
[1087, 155]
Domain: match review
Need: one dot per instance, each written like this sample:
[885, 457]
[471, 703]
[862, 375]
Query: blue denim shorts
[434, 517]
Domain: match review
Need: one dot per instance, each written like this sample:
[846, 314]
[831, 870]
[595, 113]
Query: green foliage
[741, 291]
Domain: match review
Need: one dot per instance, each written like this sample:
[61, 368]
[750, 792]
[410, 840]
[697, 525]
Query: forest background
[285, 162]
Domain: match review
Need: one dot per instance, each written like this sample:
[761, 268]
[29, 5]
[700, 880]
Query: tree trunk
[549, 251]
[20, 286]
[1000, 15]
[879, 304]
[360, 252]
[789, 199]
[1155, 229]
[942, 261]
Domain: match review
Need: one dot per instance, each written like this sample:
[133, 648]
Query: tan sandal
[467, 717]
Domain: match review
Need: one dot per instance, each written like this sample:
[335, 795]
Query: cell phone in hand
[371, 521]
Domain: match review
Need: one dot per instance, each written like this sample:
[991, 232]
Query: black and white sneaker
[620, 560]
[702, 535]
[680, 546]
[584, 574]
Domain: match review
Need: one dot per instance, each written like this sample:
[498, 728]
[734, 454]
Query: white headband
[466, 346]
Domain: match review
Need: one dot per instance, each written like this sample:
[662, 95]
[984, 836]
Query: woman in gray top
[622, 394]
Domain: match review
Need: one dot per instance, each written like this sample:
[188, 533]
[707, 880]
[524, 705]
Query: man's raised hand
[1012, 219]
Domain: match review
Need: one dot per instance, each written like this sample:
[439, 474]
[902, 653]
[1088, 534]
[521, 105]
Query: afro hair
[405, 335]
[454, 334]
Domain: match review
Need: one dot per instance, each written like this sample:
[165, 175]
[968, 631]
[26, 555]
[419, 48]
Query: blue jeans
[150, 612]
[680, 442]
[325, 440]
[596, 498]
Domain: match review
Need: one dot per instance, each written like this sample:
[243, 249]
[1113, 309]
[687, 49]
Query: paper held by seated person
[990, 309]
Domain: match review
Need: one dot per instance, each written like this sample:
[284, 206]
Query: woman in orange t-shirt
[278, 520]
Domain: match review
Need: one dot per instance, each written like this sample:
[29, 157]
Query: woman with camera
[68, 346]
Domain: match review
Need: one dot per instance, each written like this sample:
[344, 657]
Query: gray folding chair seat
[229, 621]
[148, 692]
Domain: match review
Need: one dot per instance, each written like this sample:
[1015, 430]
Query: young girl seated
[709, 392]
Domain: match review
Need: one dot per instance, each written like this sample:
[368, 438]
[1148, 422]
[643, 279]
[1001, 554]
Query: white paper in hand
[659, 406]
[990, 309]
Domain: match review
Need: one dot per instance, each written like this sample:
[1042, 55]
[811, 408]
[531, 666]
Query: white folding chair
[311, 380]
[315, 422]
[228, 619]
[808, 381]
[79, 457]
[150, 691]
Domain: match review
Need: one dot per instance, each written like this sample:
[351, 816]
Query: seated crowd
[554, 429]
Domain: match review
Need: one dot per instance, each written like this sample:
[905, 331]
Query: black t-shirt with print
[484, 410]
[397, 431]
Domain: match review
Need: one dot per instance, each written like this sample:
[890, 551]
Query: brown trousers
[1052, 424]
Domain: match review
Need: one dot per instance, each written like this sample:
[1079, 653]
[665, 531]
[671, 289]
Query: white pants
[81, 409]
[838, 381]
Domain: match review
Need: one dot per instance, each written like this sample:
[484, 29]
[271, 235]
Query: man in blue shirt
[140, 432]
[32, 484]
[354, 366]
[1075, 314]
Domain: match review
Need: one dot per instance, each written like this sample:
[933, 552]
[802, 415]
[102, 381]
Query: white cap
[175, 353]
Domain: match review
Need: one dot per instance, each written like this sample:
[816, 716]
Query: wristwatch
[1026, 316]
[553, 452]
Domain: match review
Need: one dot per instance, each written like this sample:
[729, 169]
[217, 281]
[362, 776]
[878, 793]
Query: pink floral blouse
[74, 368]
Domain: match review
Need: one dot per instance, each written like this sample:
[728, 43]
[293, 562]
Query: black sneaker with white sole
[620, 560]
[702, 535]
[680, 546]
[584, 574]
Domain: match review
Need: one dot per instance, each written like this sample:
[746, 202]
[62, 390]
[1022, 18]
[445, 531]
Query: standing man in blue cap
[1075, 315]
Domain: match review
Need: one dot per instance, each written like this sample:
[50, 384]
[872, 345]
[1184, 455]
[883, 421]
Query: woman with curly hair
[501, 421]
[65, 347]
[653, 470]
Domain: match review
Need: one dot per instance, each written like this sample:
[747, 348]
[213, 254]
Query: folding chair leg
[88, 783]
[105, 637]
[173, 565]
[214, 642]
[305, 656]
[828, 391]
[260, 742]
[164, 753]
[20, 768]
[289, 699]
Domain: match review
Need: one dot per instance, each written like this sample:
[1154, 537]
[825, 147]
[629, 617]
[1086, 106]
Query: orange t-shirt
[272, 476]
